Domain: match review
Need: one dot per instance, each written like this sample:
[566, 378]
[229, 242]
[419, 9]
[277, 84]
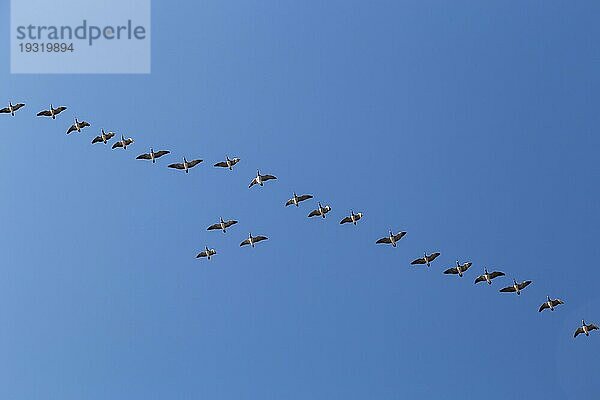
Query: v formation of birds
[320, 211]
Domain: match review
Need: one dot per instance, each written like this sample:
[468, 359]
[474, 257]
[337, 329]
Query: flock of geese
[321, 211]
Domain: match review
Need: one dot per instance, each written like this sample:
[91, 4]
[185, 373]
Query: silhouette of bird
[391, 239]
[426, 259]
[320, 211]
[459, 269]
[208, 253]
[549, 303]
[352, 218]
[12, 108]
[52, 112]
[77, 126]
[185, 165]
[516, 287]
[297, 199]
[228, 163]
[122, 143]
[222, 225]
[152, 155]
[488, 276]
[104, 137]
[252, 240]
[585, 328]
[261, 179]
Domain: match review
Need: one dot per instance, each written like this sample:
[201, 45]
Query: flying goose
[516, 287]
[253, 240]
[228, 163]
[426, 259]
[261, 179]
[297, 199]
[459, 269]
[185, 165]
[585, 329]
[77, 126]
[152, 155]
[52, 112]
[12, 108]
[122, 143]
[222, 225]
[208, 253]
[488, 276]
[352, 218]
[104, 137]
[549, 303]
[321, 211]
[392, 239]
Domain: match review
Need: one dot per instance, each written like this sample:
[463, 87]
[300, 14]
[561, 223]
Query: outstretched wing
[117, 144]
[399, 236]
[161, 153]
[59, 110]
[304, 197]
[245, 242]
[222, 164]
[466, 266]
[557, 302]
[592, 327]
[314, 213]
[234, 161]
[508, 289]
[202, 254]
[18, 105]
[452, 271]
[524, 284]
[385, 240]
[419, 261]
[5, 110]
[144, 156]
[71, 129]
[346, 220]
[543, 306]
[193, 163]
[213, 227]
[128, 141]
[45, 113]
[176, 166]
[480, 278]
[433, 256]
[289, 202]
[496, 274]
[230, 222]
[97, 139]
[252, 183]
[259, 238]
[109, 135]
[83, 124]
[268, 177]
[578, 331]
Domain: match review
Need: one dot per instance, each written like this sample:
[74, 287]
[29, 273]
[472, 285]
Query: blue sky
[470, 125]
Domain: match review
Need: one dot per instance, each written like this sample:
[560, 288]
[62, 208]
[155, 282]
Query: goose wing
[556, 302]
[144, 156]
[71, 129]
[245, 242]
[17, 106]
[97, 139]
[433, 256]
[109, 135]
[230, 222]
[543, 306]
[83, 124]
[128, 141]
[176, 166]
[59, 110]
[193, 163]
[259, 238]
[213, 227]
[399, 236]
[202, 254]
[304, 197]
[346, 220]
[222, 164]
[466, 266]
[480, 278]
[161, 153]
[234, 161]
[314, 213]
[289, 202]
[117, 144]
[496, 274]
[252, 183]
[578, 331]
[524, 284]
[452, 271]
[384, 240]
[268, 177]
[592, 327]
[44, 113]
[419, 261]
[508, 289]
[212, 252]
[5, 110]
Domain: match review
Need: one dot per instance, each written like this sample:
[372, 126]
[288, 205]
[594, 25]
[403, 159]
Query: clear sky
[472, 125]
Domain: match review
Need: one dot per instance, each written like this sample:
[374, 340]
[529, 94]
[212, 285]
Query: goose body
[516, 287]
[585, 329]
[222, 225]
[123, 143]
[549, 303]
[153, 155]
[252, 240]
[321, 211]
[52, 112]
[488, 276]
[208, 253]
[295, 200]
[391, 239]
[351, 218]
[228, 163]
[185, 165]
[261, 179]
[459, 269]
[104, 137]
[12, 108]
[426, 259]
[77, 126]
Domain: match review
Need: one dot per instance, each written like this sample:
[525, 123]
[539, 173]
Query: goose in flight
[252, 240]
[515, 287]
[208, 253]
[392, 239]
[297, 199]
[228, 163]
[426, 259]
[352, 218]
[185, 165]
[488, 276]
[123, 143]
[52, 112]
[459, 269]
[261, 179]
[549, 303]
[104, 137]
[77, 126]
[12, 108]
[222, 225]
[585, 328]
[152, 155]
[321, 211]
